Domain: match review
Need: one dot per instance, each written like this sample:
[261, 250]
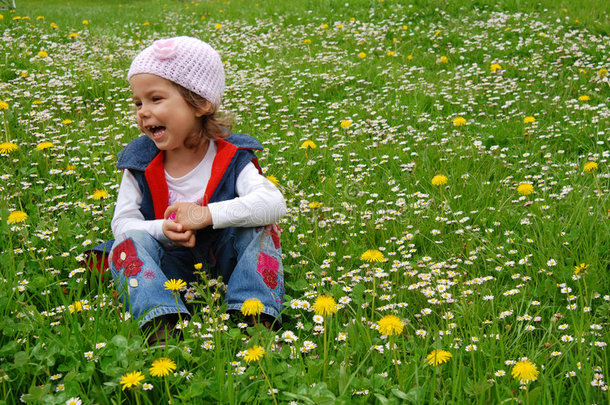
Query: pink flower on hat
[165, 49]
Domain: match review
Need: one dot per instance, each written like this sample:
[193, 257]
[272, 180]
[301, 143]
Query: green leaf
[343, 379]
[21, 359]
[534, 395]
[399, 394]
[573, 235]
[303, 398]
[382, 399]
[120, 341]
[358, 294]
[415, 395]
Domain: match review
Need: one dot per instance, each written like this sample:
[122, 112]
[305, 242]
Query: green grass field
[504, 268]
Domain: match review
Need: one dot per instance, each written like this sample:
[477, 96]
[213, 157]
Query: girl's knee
[132, 244]
[136, 235]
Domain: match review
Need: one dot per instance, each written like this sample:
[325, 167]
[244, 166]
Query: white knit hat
[187, 61]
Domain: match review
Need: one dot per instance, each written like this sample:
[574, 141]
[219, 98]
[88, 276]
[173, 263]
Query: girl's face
[162, 113]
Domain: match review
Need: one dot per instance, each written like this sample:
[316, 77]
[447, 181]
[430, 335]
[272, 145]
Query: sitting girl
[192, 191]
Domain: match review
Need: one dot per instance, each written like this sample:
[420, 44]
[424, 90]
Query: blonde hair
[213, 124]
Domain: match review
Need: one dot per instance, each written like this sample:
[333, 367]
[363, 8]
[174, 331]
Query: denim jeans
[249, 258]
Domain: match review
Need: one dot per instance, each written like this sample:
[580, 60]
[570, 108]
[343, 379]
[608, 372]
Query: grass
[471, 267]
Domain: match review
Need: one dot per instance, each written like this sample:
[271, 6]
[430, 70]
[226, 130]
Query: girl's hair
[214, 125]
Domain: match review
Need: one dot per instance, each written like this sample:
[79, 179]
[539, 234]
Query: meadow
[445, 166]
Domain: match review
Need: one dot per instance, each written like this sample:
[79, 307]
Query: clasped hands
[182, 220]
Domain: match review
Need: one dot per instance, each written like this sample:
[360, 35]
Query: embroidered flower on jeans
[133, 266]
[164, 48]
[149, 274]
[125, 256]
[267, 267]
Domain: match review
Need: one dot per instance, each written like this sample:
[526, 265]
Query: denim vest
[145, 162]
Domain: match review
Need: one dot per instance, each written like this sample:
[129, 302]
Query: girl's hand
[176, 233]
[191, 216]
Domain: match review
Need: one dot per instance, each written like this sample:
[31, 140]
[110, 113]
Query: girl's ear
[203, 109]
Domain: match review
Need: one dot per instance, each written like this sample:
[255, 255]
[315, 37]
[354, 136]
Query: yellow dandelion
[3, 105]
[324, 26]
[590, 167]
[391, 53]
[76, 307]
[459, 121]
[525, 371]
[346, 124]
[603, 72]
[372, 255]
[146, 24]
[444, 59]
[495, 66]
[529, 120]
[584, 97]
[161, 367]
[362, 55]
[99, 194]
[273, 179]
[314, 204]
[218, 26]
[325, 305]
[16, 217]
[53, 25]
[37, 102]
[252, 306]
[42, 54]
[525, 189]
[66, 121]
[44, 145]
[581, 268]
[437, 357]
[308, 145]
[307, 41]
[1, 17]
[255, 353]
[410, 57]
[198, 266]
[7, 147]
[132, 379]
[174, 285]
[439, 180]
[85, 22]
[73, 35]
[390, 325]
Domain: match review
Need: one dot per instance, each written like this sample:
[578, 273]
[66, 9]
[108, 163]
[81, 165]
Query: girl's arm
[127, 215]
[259, 203]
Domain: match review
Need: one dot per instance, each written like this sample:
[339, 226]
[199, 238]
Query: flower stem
[5, 127]
[171, 401]
[268, 382]
[178, 308]
[325, 349]
[395, 359]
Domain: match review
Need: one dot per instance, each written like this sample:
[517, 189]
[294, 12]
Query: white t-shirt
[258, 203]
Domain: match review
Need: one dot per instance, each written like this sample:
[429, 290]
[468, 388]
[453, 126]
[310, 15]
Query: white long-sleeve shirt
[258, 203]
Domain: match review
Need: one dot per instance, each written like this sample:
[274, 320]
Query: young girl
[192, 191]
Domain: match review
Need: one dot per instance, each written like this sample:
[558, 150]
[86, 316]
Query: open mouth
[156, 131]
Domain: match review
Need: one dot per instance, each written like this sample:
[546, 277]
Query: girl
[192, 191]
